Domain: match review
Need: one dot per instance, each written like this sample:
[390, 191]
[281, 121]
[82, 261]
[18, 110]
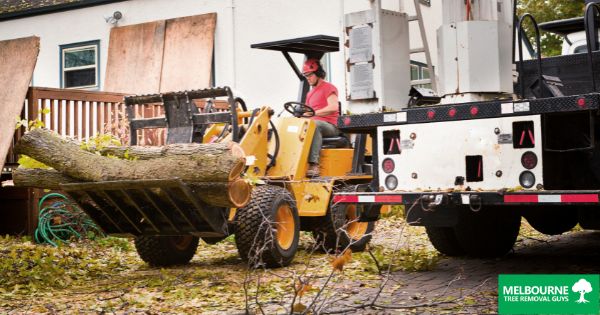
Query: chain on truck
[507, 137]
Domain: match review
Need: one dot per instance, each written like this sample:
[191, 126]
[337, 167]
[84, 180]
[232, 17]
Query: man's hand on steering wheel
[299, 110]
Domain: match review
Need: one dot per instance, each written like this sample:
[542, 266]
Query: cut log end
[239, 193]
[237, 170]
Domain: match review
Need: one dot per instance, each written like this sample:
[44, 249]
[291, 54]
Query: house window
[419, 71]
[79, 65]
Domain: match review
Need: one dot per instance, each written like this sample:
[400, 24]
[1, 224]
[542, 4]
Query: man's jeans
[324, 129]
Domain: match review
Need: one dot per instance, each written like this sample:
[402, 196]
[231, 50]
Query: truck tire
[551, 220]
[164, 251]
[340, 229]
[490, 232]
[444, 240]
[268, 229]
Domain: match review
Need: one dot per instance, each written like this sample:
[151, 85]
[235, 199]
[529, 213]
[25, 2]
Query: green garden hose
[62, 221]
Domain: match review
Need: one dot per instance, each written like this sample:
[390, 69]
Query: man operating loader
[323, 99]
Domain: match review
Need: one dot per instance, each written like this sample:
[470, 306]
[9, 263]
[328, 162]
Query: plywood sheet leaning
[187, 60]
[17, 61]
[135, 55]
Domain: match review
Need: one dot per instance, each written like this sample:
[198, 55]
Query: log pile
[212, 169]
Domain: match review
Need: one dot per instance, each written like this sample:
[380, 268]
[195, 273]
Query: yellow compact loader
[167, 218]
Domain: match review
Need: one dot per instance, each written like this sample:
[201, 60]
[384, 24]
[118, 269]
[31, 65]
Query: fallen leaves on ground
[106, 275]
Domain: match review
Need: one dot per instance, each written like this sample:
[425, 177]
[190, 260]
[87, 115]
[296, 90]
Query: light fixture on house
[114, 18]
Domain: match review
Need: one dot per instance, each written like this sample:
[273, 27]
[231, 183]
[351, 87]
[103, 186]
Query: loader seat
[341, 141]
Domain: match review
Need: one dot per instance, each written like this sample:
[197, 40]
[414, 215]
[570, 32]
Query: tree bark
[40, 178]
[147, 153]
[70, 160]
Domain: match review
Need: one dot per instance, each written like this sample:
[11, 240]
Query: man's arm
[331, 108]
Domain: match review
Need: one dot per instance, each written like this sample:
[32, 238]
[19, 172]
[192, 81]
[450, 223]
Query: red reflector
[430, 114]
[520, 198]
[388, 165]
[347, 121]
[474, 110]
[345, 199]
[579, 198]
[452, 112]
[388, 198]
[581, 102]
[529, 160]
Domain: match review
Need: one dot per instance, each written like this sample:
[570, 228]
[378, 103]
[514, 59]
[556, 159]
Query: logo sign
[548, 294]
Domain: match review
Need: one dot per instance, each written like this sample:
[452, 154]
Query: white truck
[510, 138]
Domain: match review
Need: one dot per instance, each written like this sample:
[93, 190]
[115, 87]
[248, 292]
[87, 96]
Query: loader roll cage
[317, 46]
[311, 47]
[187, 124]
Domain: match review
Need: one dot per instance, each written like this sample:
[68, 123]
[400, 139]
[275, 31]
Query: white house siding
[261, 77]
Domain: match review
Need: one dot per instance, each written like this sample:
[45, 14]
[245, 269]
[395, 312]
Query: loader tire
[268, 229]
[444, 240]
[490, 232]
[164, 251]
[340, 229]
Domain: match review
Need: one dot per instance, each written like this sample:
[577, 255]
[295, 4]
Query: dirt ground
[402, 272]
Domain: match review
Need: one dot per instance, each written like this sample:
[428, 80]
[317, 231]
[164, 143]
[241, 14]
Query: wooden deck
[84, 114]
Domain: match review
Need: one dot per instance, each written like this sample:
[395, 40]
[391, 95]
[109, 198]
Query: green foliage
[252, 179]
[27, 162]
[99, 142]
[24, 160]
[32, 124]
[549, 10]
[417, 259]
[122, 244]
[396, 211]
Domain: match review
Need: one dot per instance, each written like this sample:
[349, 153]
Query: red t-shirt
[317, 99]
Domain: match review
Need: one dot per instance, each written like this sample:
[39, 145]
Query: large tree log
[40, 178]
[69, 159]
[147, 153]
[234, 194]
[173, 161]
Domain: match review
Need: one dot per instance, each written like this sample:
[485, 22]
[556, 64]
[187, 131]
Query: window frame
[95, 44]
[421, 69]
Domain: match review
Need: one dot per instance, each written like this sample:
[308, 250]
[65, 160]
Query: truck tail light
[527, 179]
[529, 160]
[391, 182]
[388, 165]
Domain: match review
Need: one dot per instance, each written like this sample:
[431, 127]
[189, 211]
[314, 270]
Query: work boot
[313, 170]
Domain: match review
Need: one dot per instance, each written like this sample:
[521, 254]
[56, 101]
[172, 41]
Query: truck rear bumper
[444, 209]
[473, 199]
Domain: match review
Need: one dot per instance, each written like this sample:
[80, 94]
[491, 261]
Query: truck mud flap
[148, 207]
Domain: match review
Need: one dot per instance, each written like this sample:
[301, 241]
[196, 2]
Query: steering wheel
[299, 110]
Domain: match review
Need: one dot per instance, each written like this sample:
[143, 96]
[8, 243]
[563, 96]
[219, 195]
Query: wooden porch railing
[83, 114]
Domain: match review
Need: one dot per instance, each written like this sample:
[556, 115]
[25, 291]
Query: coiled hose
[62, 221]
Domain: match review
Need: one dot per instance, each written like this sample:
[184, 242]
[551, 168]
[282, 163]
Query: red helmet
[310, 65]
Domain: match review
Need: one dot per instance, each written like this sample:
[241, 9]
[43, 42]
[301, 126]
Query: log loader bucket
[149, 207]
